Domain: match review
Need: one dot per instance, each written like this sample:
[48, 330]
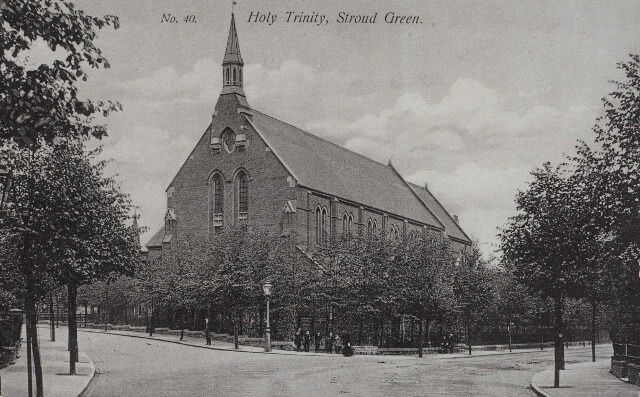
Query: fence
[626, 352]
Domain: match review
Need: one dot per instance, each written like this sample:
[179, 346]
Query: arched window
[396, 233]
[240, 72]
[345, 224]
[217, 204]
[318, 225]
[350, 224]
[369, 226]
[324, 224]
[227, 71]
[242, 183]
[375, 226]
[234, 76]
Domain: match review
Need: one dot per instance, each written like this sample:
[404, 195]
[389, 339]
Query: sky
[469, 100]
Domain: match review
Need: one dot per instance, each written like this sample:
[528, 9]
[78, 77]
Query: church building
[251, 168]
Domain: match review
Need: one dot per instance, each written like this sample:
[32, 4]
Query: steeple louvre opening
[232, 63]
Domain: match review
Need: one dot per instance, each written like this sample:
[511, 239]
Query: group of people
[304, 339]
[448, 343]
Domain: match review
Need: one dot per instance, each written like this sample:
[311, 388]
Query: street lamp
[5, 185]
[266, 288]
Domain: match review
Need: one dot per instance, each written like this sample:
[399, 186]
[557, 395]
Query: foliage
[39, 104]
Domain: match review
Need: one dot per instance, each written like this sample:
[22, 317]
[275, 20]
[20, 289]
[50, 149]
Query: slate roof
[156, 240]
[451, 226]
[232, 53]
[326, 167]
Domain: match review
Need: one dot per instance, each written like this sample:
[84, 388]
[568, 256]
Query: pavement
[583, 379]
[55, 369]
[219, 345]
[488, 374]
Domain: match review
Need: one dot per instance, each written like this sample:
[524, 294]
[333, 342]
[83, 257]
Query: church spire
[232, 63]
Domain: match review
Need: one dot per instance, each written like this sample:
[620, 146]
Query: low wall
[619, 368]
[633, 373]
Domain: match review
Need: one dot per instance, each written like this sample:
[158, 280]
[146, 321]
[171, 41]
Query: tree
[614, 160]
[472, 289]
[540, 244]
[67, 225]
[421, 279]
[39, 104]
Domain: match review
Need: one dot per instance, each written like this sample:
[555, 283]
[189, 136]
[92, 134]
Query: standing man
[298, 339]
[329, 343]
[207, 335]
[307, 341]
[317, 341]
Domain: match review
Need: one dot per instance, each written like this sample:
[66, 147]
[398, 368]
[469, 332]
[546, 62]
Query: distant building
[251, 168]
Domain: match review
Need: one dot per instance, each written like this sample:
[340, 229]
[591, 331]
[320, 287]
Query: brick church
[252, 168]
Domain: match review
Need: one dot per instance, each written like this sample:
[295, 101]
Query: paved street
[139, 367]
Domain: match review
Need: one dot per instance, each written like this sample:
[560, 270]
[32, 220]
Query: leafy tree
[68, 225]
[472, 290]
[540, 244]
[609, 170]
[422, 279]
[41, 103]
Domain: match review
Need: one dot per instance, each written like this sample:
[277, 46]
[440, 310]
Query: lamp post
[5, 185]
[266, 288]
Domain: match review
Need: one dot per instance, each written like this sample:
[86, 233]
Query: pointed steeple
[232, 63]
[232, 54]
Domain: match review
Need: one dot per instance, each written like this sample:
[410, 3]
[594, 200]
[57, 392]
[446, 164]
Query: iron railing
[627, 352]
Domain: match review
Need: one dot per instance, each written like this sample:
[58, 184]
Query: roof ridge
[445, 210]
[417, 196]
[321, 139]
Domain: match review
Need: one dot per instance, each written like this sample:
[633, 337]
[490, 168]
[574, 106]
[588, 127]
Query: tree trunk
[29, 361]
[426, 331]
[72, 324]
[594, 308]
[106, 302]
[235, 327]
[420, 336]
[32, 318]
[52, 321]
[469, 331]
[558, 345]
[541, 335]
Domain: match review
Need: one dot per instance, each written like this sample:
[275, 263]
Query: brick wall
[268, 186]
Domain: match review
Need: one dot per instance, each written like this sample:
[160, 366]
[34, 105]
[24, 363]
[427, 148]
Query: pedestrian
[307, 340]
[298, 339]
[451, 343]
[444, 345]
[207, 334]
[328, 344]
[317, 341]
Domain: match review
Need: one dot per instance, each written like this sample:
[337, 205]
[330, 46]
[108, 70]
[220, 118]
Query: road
[138, 367]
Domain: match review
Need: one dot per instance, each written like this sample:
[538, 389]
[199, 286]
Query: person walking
[328, 344]
[317, 341]
[307, 341]
[297, 339]
[207, 333]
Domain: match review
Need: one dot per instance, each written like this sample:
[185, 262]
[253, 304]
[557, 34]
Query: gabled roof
[232, 53]
[451, 226]
[328, 168]
[156, 240]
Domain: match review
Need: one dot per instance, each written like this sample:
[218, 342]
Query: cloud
[474, 147]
